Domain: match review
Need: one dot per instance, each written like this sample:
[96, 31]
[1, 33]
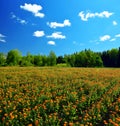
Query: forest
[85, 58]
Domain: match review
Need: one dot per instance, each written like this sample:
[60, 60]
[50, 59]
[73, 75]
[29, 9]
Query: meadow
[51, 96]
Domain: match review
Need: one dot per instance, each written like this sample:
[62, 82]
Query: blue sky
[63, 26]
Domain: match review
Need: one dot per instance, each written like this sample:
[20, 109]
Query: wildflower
[105, 122]
[35, 107]
[30, 124]
[118, 119]
[65, 124]
[70, 124]
[25, 115]
[119, 100]
[36, 122]
[6, 114]
[3, 118]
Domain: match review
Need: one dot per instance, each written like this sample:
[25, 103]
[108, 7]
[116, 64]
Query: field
[50, 96]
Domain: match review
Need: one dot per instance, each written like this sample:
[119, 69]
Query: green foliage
[13, 57]
[86, 58]
[62, 65]
[52, 59]
[2, 59]
[27, 60]
[38, 60]
[60, 59]
[111, 58]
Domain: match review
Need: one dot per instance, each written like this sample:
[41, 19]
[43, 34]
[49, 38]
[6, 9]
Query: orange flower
[30, 124]
[114, 124]
[118, 99]
[70, 124]
[25, 115]
[6, 114]
[36, 122]
[35, 107]
[65, 124]
[3, 118]
[105, 122]
[118, 119]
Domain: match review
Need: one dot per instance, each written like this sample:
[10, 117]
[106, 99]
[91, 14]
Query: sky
[62, 26]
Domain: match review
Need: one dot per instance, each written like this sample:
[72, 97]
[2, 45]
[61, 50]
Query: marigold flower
[70, 124]
[6, 114]
[105, 122]
[30, 124]
[118, 119]
[36, 122]
[65, 124]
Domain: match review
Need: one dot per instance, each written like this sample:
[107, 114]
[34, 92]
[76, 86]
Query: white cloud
[19, 20]
[57, 35]
[2, 38]
[13, 15]
[114, 23]
[38, 33]
[23, 22]
[33, 8]
[105, 37]
[51, 42]
[113, 39]
[118, 35]
[86, 16]
[55, 24]
[78, 43]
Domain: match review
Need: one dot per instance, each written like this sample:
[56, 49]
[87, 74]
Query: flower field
[50, 96]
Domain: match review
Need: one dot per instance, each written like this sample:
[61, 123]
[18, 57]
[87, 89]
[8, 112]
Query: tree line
[85, 58]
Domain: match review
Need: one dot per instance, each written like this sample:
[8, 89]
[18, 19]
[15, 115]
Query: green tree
[44, 60]
[71, 60]
[2, 59]
[13, 57]
[27, 60]
[60, 59]
[113, 54]
[98, 61]
[52, 59]
[118, 57]
[38, 60]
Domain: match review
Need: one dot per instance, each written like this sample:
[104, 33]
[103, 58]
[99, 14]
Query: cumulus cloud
[2, 38]
[51, 42]
[19, 20]
[105, 38]
[56, 35]
[86, 16]
[38, 34]
[33, 8]
[114, 23]
[113, 39]
[55, 24]
[118, 35]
